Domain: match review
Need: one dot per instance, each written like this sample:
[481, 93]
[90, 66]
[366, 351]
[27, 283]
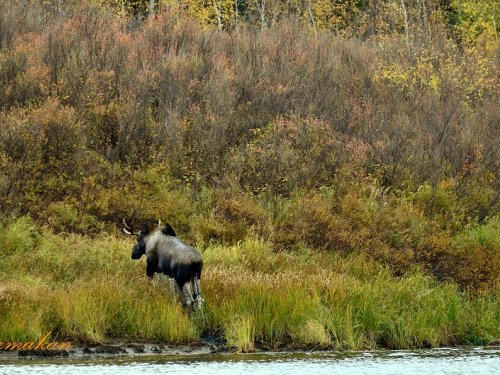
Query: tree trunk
[494, 23]
[151, 8]
[311, 17]
[407, 26]
[217, 13]
[262, 14]
[425, 19]
[236, 21]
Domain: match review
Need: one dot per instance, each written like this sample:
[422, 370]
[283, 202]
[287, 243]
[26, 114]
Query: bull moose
[167, 254]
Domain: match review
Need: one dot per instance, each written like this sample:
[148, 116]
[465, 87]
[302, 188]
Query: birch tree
[217, 10]
[151, 8]
[407, 25]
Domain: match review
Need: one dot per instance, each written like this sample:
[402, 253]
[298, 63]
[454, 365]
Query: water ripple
[435, 361]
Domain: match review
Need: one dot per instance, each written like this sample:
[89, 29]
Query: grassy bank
[90, 290]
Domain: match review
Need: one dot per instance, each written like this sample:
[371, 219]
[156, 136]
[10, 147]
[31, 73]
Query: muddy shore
[119, 349]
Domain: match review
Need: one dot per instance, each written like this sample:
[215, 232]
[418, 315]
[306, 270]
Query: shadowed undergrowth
[90, 290]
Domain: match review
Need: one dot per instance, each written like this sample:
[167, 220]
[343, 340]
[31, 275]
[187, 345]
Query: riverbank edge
[118, 348]
[132, 349]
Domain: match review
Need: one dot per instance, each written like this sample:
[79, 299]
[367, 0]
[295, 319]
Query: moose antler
[127, 230]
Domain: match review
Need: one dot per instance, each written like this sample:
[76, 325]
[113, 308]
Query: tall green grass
[90, 290]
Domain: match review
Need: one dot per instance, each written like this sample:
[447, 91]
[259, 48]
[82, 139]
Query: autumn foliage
[342, 139]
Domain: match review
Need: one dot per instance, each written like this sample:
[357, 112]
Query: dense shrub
[232, 215]
[64, 217]
[43, 147]
[290, 153]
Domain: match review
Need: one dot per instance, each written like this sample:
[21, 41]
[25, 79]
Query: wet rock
[136, 348]
[156, 350]
[43, 353]
[87, 350]
[110, 349]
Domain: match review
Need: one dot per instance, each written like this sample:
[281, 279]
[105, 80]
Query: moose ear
[168, 230]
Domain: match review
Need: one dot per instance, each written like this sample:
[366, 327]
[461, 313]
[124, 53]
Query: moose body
[167, 254]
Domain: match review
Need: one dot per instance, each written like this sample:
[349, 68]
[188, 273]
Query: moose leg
[173, 289]
[197, 293]
[197, 288]
[151, 266]
[187, 295]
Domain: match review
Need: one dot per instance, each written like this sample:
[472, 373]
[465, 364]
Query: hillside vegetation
[335, 162]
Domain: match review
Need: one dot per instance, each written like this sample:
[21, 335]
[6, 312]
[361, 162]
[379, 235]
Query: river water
[432, 361]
